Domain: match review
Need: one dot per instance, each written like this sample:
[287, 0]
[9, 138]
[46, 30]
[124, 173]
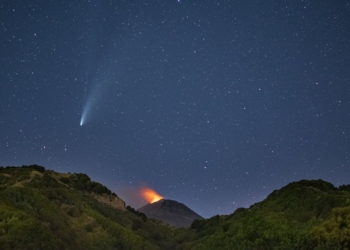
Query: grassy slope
[46, 210]
[37, 211]
[302, 215]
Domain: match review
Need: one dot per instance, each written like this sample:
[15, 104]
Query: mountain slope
[41, 209]
[301, 215]
[171, 212]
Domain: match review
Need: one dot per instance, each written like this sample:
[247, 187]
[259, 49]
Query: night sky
[211, 103]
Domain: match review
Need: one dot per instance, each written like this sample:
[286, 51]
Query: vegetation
[303, 215]
[42, 209]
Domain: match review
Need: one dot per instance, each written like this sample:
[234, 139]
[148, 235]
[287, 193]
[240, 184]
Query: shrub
[89, 228]
[65, 180]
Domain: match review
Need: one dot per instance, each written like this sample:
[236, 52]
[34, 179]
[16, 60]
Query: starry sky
[211, 103]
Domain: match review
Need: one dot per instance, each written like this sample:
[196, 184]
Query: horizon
[220, 101]
[136, 198]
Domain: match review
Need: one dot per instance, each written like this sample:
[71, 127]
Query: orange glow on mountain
[150, 195]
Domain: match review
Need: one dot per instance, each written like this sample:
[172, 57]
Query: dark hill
[171, 212]
[302, 215]
[42, 209]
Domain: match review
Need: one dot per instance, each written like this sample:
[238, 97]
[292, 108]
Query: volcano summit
[171, 212]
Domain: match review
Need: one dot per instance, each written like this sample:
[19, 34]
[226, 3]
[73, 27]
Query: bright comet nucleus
[82, 120]
[89, 109]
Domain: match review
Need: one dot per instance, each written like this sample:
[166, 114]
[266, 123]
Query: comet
[84, 114]
[98, 91]
[92, 101]
[82, 119]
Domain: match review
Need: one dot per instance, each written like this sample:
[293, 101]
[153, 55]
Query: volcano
[170, 212]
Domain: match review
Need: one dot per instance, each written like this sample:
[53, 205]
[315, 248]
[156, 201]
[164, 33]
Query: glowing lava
[150, 195]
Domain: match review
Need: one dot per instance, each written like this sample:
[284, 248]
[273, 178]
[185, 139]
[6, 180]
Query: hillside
[42, 209]
[302, 215]
[171, 212]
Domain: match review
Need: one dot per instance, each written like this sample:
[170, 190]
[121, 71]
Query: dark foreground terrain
[42, 209]
[171, 212]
